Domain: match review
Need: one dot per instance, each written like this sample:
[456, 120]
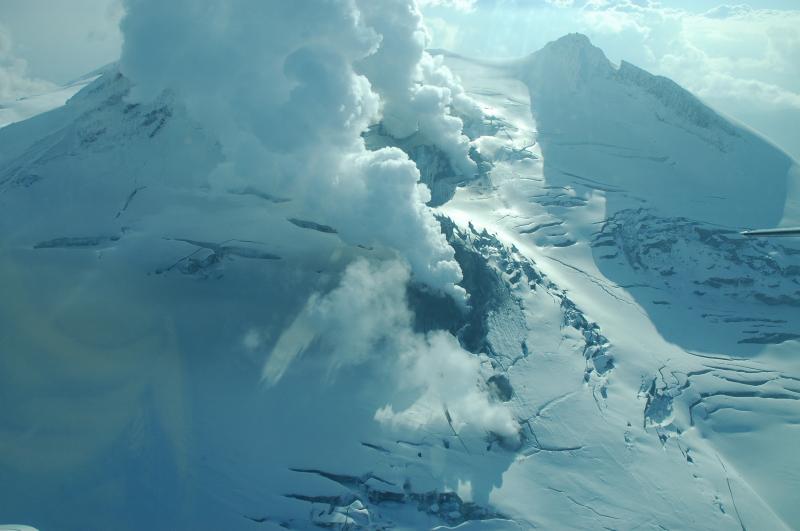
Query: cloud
[728, 11]
[730, 52]
[14, 79]
[612, 21]
[287, 86]
[561, 3]
[724, 86]
[453, 392]
[417, 90]
[462, 5]
[708, 78]
[62, 41]
[748, 58]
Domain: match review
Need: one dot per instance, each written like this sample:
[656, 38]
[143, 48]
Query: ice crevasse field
[284, 267]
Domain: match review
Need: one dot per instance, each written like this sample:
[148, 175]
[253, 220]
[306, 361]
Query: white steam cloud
[367, 316]
[453, 391]
[417, 90]
[277, 82]
[14, 79]
[289, 86]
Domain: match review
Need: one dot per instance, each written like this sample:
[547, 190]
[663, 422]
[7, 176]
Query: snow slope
[609, 186]
[647, 352]
[23, 108]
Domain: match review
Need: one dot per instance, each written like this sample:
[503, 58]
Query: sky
[741, 58]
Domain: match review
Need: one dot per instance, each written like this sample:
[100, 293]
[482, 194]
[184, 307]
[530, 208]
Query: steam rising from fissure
[288, 87]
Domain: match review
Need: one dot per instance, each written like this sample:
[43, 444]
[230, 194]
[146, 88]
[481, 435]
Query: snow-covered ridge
[648, 141]
[674, 97]
[30, 106]
[572, 62]
[567, 63]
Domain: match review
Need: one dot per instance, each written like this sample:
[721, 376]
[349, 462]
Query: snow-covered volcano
[633, 361]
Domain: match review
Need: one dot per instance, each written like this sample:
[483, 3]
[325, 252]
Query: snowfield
[180, 354]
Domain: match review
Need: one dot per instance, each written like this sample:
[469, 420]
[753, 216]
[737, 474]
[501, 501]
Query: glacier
[626, 359]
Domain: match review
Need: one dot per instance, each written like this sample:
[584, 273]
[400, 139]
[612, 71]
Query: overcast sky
[743, 59]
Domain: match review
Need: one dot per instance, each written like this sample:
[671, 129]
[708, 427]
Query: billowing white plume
[288, 87]
[417, 90]
[366, 317]
[277, 83]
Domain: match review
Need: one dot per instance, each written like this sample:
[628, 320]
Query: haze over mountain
[368, 286]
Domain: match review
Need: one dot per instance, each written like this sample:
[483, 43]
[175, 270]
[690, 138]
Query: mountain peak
[574, 46]
[572, 39]
[571, 60]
